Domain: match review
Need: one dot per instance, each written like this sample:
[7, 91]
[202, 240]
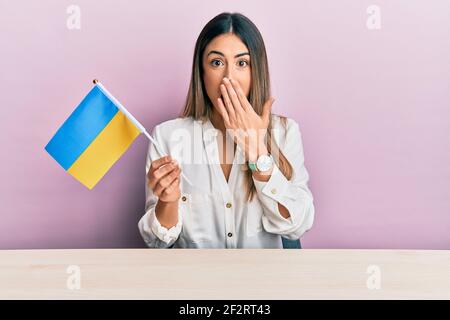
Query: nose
[229, 72]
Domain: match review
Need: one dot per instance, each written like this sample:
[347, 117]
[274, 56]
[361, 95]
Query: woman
[259, 192]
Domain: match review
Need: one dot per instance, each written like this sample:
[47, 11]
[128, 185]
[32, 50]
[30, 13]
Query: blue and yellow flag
[94, 137]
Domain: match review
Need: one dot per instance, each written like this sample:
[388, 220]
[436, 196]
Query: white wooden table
[224, 274]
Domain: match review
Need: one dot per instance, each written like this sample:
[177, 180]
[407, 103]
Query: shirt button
[230, 234]
[228, 205]
[273, 191]
[183, 198]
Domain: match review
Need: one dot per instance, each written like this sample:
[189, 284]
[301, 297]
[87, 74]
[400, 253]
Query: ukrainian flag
[94, 137]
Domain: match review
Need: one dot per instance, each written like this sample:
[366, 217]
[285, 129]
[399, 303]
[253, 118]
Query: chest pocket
[198, 220]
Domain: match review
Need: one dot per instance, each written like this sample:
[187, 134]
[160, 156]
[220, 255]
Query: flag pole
[135, 122]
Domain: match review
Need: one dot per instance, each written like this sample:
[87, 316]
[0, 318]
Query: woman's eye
[243, 63]
[216, 63]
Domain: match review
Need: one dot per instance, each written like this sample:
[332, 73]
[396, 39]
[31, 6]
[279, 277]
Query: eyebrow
[221, 54]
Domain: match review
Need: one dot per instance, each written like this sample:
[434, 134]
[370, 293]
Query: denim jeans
[291, 244]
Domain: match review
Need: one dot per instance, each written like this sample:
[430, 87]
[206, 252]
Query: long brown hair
[198, 105]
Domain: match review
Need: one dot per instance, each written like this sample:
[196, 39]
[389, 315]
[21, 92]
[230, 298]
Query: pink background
[373, 108]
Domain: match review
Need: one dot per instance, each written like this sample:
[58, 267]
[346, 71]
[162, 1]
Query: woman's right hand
[164, 179]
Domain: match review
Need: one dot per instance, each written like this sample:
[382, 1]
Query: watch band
[252, 166]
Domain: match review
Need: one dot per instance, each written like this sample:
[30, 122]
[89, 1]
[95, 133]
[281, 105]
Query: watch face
[264, 162]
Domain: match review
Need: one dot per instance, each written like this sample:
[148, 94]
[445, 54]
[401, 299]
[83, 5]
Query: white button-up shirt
[214, 213]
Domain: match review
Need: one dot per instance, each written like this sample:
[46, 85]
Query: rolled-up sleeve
[293, 194]
[153, 233]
